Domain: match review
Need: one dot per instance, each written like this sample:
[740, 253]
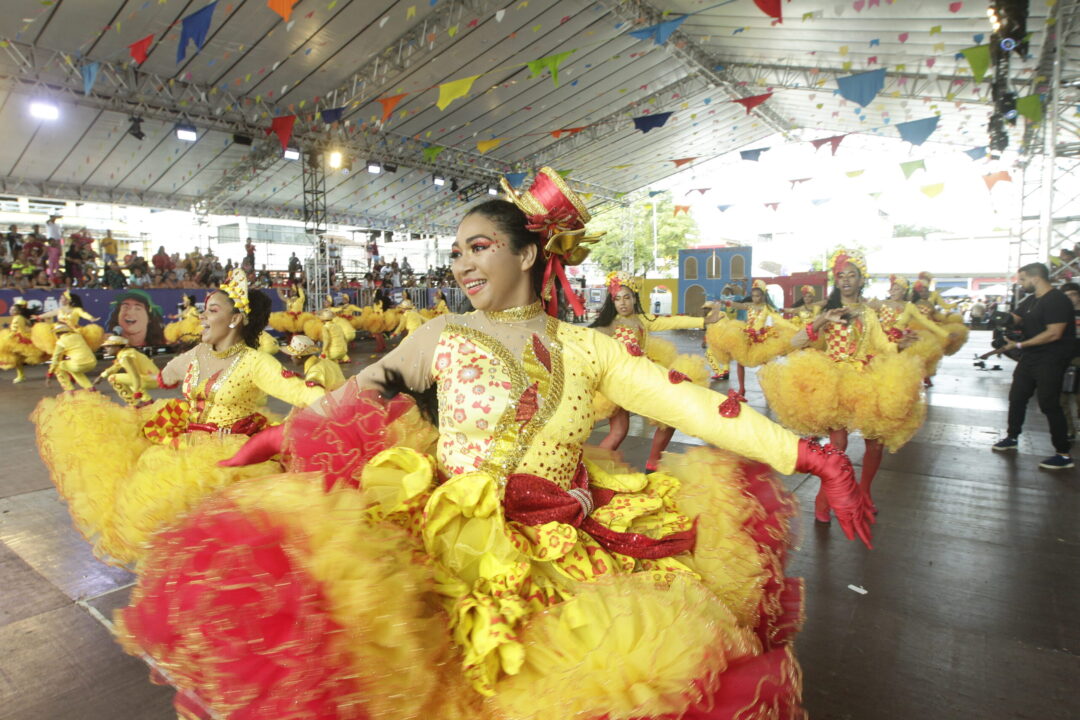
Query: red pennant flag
[139, 49]
[683, 161]
[752, 102]
[834, 141]
[681, 209]
[994, 178]
[567, 131]
[282, 7]
[770, 8]
[282, 126]
[388, 105]
[774, 205]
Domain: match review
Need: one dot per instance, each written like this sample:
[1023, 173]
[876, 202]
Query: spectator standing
[1047, 321]
[249, 255]
[13, 241]
[53, 230]
[35, 241]
[294, 268]
[108, 248]
[161, 260]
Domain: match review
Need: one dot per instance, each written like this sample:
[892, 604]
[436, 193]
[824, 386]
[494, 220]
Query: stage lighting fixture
[44, 110]
[438, 180]
[239, 139]
[374, 167]
[135, 129]
[334, 160]
[292, 154]
[186, 133]
[390, 167]
[453, 185]
[492, 190]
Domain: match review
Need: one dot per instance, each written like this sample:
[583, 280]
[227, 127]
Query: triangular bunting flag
[994, 178]
[194, 28]
[917, 131]
[140, 48]
[1030, 106]
[752, 102]
[654, 193]
[683, 161]
[978, 58]
[388, 105]
[774, 206]
[451, 91]
[659, 32]
[771, 8]
[89, 76]
[820, 201]
[282, 7]
[911, 166]
[567, 131]
[752, 155]
[332, 115]
[835, 141]
[798, 181]
[862, 88]
[722, 208]
[681, 209]
[932, 191]
[645, 123]
[516, 179]
[854, 173]
[550, 63]
[432, 152]
[282, 126]
[484, 145]
[976, 153]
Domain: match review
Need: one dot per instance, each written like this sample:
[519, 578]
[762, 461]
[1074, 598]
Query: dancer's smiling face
[849, 280]
[217, 317]
[487, 267]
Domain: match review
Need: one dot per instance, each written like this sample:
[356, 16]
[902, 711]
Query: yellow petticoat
[729, 338]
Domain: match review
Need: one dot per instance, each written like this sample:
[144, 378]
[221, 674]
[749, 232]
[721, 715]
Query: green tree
[628, 244]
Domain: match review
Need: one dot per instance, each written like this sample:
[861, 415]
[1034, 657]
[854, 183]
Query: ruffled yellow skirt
[120, 488]
[812, 395]
[729, 338]
[287, 322]
[958, 334]
[44, 337]
[187, 330]
[15, 348]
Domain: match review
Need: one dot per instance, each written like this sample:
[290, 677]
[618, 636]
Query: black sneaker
[1005, 444]
[1057, 462]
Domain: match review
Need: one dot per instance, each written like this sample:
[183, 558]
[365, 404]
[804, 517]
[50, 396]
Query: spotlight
[374, 167]
[334, 160]
[390, 167]
[492, 190]
[292, 154]
[44, 110]
[186, 133]
[135, 130]
[438, 180]
[239, 139]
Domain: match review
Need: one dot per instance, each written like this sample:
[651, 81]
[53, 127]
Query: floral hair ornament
[899, 280]
[842, 257]
[808, 290]
[760, 285]
[555, 211]
[619, 279]
[236, 287]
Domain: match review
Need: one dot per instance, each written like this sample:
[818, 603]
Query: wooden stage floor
[972, 604]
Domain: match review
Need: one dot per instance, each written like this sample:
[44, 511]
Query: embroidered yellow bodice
[296, 304]
[635, 330]
[857, 341]
[70, 315]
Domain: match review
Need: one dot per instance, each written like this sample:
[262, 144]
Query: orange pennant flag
[567, 131]
[388, 105]
[282, 7]
[994, 178]
[681, 209]
[683, 161]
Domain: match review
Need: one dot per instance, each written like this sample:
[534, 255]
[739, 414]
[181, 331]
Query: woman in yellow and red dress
[69, 313]
[623, 318]
[901, 319]
[17, 350]
[493, 568]
[764, 336]
[933, 307]
[849, 377]
[126, 471]
[186, 330]
[291, 320]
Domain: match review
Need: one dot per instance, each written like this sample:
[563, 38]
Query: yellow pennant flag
[451, 91]
[484, 145]
[410, 13]
[934, 190]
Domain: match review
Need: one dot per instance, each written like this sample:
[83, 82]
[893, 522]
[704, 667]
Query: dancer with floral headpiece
[17, 349]
[623, 317]
[903, 322]
[69, 313]
[930, 303]
[492, 567]
[849, 377]
[127, 471]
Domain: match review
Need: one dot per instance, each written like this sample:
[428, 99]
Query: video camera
[1003, 326]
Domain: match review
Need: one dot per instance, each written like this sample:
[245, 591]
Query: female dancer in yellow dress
[850, 377]
[334, 345]
[69, 313]
[71, 358]
[339, 314]
[491, 568]
[806, 308]
[125, 472]
[132, 373]
[376, 319]
[186, 330]
[900, 318]
[16, 348]
[317, 369]
[440, 307]
[409, 320]
[623, 318]
[764, 336]
[293, 318]
[951, 322]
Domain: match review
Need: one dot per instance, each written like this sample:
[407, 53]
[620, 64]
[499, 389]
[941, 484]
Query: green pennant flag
[978, 58]
[854, 173]
[551, 63]
[911, 166]
[564, 173]
[1030, 106]
[430, 153]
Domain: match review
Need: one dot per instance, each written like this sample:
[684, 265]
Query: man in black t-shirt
[1047, 321]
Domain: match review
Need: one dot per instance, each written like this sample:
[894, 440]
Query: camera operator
[1046, 319]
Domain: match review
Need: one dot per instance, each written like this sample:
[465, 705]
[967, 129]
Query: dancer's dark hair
[608, 313]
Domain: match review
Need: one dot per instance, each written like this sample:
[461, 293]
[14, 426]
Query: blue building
[705, 271]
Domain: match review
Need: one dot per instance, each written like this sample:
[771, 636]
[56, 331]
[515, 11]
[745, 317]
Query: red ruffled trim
[164, 385]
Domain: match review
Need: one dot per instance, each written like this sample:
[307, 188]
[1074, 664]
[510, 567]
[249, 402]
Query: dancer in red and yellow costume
[933, 307]
[340, 315]
[376, 320]
[409, 319]
[125, 471]
[806, 308]
[623, 318]
[293, 318]
[902, 320]
[317, 369]
[17, 350]
[132, 373]
[490, 568]
[848, 378]
[186, 330]
[765, 334]
[440, 308]
[69, 313]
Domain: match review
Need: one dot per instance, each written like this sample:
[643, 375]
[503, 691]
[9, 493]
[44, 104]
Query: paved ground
[972, 607]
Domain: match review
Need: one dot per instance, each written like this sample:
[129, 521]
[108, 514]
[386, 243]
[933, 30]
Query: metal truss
[314, 181]
[695, 58]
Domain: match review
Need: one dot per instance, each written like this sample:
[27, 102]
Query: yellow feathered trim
[93, 334]
[11, 346]
[43, 337]
[958, 335]
[728, 338]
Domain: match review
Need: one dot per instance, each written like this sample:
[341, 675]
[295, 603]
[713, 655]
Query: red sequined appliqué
[541, 352]
[288, 374]
[634, 349]
[733, 405]
[676, 377]
[528, 404]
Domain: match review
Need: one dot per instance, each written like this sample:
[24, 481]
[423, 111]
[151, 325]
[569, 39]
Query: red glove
[262, 446]
[845, 496]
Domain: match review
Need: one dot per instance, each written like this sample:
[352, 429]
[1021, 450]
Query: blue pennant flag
[515, 179]
[654, 193]
[752, 155]
[976, 153]
[916, 131]
[862, 88]
[660, 32]
[820, 201]
[722, 208]
[89, 76]
[195, 26]
[645, 123]
[332, 115]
